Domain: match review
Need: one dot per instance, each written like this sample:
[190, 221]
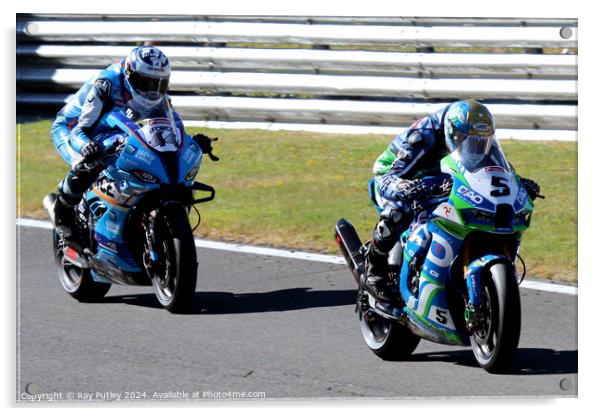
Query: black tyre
[388, 339]
[495, 339]
[75, 280]
[174, 281]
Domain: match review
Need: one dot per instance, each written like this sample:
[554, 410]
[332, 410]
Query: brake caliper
[362, 302]
[150, 257]
[471, 317]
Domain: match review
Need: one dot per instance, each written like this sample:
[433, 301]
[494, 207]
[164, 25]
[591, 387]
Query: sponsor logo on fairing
[438, 250]
[459, 164]
[522, 195]
[434, 273]
[109, 245]
[471, 195]
[494, 169]
[189, 154]
[112, 227]
[145, 156]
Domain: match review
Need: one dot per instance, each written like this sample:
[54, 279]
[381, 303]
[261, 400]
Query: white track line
[27, 222]
[301, 255]
[266, 251]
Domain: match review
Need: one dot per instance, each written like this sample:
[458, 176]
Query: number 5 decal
[499, 183]
[441, 316]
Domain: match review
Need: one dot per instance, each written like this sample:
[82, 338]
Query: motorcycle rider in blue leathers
[409, 170]
[140, 80]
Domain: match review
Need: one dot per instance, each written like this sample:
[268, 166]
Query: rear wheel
[75, 280]
[495, 338]
[388, 339]
[174, 277]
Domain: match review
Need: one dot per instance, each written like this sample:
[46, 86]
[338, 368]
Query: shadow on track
[528, 361]
[210, 303]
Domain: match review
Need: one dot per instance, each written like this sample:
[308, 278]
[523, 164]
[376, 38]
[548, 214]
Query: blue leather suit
[415, 153]
[81, 120]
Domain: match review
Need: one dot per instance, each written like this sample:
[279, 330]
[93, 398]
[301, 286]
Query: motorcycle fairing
[139, 154]
[120, 188]
[429, 309]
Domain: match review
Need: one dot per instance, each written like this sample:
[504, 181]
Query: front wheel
[387, 339]
[77, 281]
[174, 278]
[495, 338]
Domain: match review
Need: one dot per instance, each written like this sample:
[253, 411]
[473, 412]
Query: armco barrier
[319, 70]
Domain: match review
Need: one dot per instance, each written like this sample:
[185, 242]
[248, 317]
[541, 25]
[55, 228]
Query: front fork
[150, 256]
[472, 312]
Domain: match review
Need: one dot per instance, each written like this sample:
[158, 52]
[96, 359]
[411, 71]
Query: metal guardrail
[294, 60]
[334, 85]
[342, 112]
[293, 33]
[215, 57]
[310, 20]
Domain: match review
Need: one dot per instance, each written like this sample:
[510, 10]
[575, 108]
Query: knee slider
[389, 219]
[385, 235]
[391, 214]
[383, 230]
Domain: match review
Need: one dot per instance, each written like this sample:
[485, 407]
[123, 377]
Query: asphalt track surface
[284, 328]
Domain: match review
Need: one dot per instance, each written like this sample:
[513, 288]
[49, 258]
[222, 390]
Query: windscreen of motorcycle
[156, 126]
[488, 175]
[161, 134]
[477, 152]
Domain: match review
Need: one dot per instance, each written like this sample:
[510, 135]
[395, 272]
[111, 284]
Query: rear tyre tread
[84, 290]
[400, 345]
[397, 344]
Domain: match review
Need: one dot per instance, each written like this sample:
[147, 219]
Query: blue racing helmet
[469, 126]
[147, 72]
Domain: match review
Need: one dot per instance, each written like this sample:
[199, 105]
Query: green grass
[550, 244]
[287, 189]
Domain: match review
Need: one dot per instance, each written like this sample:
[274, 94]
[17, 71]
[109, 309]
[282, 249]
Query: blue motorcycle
[454, 266]
[133, 223]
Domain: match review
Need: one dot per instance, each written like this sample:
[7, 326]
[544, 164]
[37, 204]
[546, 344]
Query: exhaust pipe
[350, 245]
[74, 255]
[49, 202]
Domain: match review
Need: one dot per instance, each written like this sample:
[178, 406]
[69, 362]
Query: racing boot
[376, 280]
[61, 213]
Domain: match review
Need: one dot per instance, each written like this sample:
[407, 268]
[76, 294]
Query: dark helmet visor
[144, 85]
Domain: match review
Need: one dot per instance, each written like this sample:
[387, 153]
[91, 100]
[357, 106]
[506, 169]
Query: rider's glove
[441, 186]
[532, 188]
[416, 191]
[90, 150]
[412, 190]
[205, 143]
